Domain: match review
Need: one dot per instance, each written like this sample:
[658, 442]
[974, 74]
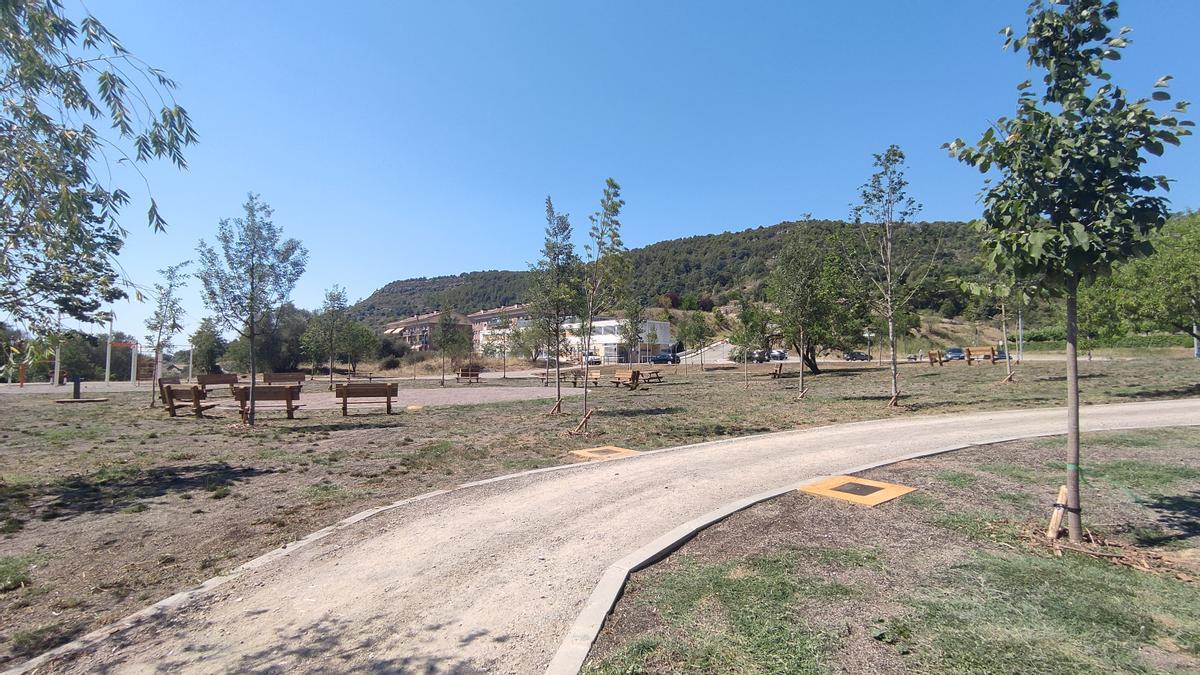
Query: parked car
[760, 356]
[913, 358]
[593, 360]
[955, 354]
[778, 355]
[856, 356]
[1001, 355]
[664, 357]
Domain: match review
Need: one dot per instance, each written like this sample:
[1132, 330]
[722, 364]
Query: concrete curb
[577, 644]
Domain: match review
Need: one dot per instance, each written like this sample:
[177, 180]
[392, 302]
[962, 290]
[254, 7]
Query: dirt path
[490, 578]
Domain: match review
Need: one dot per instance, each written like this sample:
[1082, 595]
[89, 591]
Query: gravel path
[489, 578]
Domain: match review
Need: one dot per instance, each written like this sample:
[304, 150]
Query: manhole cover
[860, 489]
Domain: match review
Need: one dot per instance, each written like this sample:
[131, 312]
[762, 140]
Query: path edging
[575, 647]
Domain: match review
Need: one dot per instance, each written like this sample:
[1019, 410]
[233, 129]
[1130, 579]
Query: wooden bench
[366, 390]
[215, 380]
[284, 378]
[468, 373]
[177, 397]
[777, 372]
[163, 382]
[578, 377]
[936, 357]
[981, 354]
[627, 377]
[273, 393]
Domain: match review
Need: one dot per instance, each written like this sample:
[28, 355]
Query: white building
[607, 344]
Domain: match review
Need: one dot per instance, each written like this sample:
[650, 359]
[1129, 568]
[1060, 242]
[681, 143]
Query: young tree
[696, 333]
[1071, 199]
[554, 288]
[631, 326]
[330, 323]
[252, 273]
[450, 339]
[59, 215]
[207, 346]
[358, 342]
[892, 268]
[166, 320]
[751, 332]
[605, 273]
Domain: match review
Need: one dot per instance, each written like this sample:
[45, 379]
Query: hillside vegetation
[719, 267]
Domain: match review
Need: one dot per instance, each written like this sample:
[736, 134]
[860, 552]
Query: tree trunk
[892, 346]
[1004, 334]
[801, 350]
[587, 370]
[557, 365]
[443, 351]
[253, 370]
[1196, 341]
[1074, 522]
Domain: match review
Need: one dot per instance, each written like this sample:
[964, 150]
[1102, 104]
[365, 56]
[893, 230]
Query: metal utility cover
[856, 490]
[603, 452]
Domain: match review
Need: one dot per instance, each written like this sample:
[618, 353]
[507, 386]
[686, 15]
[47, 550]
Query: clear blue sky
[413, 139]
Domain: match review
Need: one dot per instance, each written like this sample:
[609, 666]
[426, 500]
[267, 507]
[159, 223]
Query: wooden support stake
[1008, 379]
[557, 409]
[1056, 516]
[802, 393]
[892, 401]
[583, 423]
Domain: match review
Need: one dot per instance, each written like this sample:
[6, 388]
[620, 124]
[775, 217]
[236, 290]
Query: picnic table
[179, 397]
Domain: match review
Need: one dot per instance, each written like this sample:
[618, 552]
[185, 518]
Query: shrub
[390, 363]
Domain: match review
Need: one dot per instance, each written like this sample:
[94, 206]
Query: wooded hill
[718, 267]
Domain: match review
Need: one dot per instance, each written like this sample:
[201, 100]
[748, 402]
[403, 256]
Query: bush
[390, 363]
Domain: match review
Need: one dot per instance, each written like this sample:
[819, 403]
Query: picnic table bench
[283, 378]
[285, 394]
[162, 382]
[626, 377]
[215, 380]
[349, 390]
[177, 397]
[468, 373]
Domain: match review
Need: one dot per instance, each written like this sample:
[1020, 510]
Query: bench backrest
[217, 378]
[271, 378]
[624, 373]
[365, 389]
[470, 370]
[180, 392]
[268, 392]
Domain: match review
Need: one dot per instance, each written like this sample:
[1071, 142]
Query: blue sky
[416, 139]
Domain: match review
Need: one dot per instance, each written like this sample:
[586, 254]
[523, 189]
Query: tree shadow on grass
[1063, 378]
[641, 412]
[351, 423]
[121, 488]
[1153, 394]
[1179, 513]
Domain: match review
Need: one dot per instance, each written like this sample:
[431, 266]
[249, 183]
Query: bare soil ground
[107, 507]
[955, 577]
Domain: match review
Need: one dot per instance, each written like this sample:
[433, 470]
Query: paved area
[489, 578]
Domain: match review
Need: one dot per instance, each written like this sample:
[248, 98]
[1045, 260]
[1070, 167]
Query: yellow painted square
[603, 452]
[886, 493]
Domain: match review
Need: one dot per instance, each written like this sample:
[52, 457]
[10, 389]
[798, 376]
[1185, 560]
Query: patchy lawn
[107, 507]
[952, 578]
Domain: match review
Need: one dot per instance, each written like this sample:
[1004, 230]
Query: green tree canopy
[63, 82]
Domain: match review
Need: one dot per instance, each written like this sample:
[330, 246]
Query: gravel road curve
[489, 578]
